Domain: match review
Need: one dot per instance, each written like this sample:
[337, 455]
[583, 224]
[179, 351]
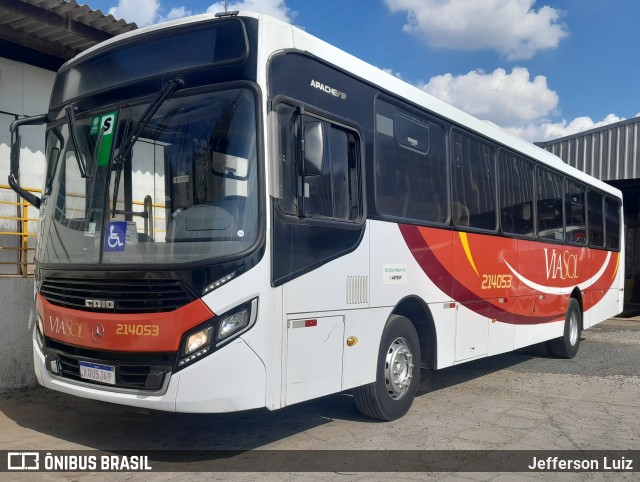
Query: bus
[238, 215]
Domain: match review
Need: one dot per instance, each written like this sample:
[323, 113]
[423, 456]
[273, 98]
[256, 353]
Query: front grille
[133, 371]
[128, 296]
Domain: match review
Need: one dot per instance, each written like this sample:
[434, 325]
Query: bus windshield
[185, 190]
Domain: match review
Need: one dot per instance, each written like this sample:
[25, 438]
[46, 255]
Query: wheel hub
[398, 370]
[574, 329]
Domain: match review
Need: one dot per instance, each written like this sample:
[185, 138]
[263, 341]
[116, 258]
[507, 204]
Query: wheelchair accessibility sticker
[115, 236]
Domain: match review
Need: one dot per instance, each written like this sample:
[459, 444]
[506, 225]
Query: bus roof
[303, 41]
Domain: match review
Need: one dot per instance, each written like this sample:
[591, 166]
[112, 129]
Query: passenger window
[595, 219]
[612, 207]
[410, 165]
[516, 194]
[318, 162]
[330, 167]
[473, 183]
[576, 229]
[549, 205]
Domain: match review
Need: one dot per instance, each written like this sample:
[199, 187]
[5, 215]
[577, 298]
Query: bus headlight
[198, 340]
[232, 323]
[198, 343]
[236, 321]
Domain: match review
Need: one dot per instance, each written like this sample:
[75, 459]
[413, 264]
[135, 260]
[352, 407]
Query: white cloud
[178, 12]
[142, 13]
[275, 8]
[148, 12]
[544, 131]
[511, 27]
[511, 100]
[506, 99]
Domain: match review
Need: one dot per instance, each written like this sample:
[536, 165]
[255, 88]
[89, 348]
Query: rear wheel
[397, 373]
[567, 345]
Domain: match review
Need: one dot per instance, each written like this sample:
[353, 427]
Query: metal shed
[57, 28]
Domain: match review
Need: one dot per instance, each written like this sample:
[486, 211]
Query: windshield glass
[186, 190]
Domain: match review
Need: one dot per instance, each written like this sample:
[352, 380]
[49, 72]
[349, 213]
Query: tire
[567, 345]
[391, 395]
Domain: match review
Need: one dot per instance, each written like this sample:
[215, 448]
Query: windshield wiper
[128, 141]
[71, 120]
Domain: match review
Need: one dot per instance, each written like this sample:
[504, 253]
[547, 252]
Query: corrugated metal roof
[62, 28]
[610, 153]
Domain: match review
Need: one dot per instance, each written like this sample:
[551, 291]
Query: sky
[542, 69]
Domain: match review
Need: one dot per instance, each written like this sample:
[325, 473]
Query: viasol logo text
[66, 327]
[562, 265]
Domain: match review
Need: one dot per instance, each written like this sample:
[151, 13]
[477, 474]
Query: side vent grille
[357, 290]
[107, 296]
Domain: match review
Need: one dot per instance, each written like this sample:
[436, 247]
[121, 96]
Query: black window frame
[567, 201]
[304, 109]
[419, 117]
[543, 167]
[619, 223]
[602, 219]
[531, 199]
[494, 156]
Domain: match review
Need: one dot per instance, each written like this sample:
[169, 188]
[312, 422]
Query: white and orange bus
[236, 215]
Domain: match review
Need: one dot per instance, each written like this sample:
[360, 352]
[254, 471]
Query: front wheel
[397, 373]
[567, 345]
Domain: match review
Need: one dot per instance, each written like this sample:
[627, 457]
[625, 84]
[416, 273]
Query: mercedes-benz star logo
[97, 333]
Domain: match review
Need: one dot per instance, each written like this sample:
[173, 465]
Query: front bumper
[228, 380]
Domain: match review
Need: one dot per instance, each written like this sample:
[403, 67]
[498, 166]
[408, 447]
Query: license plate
[98, 373]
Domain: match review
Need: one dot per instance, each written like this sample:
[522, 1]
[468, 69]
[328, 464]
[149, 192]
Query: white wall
[17, 318]
[24, 91]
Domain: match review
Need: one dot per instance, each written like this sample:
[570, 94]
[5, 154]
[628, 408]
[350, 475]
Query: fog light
[198, 340]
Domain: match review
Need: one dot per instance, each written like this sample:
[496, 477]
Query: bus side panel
[314, 356]
[207, 387]
[486, 290]
[540, 313]
[397, 273]
[360, 360]
[318, 309]
[403, 265]
[337, 285]
[603, 299]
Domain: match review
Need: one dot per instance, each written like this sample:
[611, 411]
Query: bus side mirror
[313, 148]
[14, 165]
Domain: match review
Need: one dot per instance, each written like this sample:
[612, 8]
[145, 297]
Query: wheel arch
[418, 312]
[577, 295]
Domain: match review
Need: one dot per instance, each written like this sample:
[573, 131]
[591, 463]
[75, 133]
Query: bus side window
[329, 179]
[410, 165]
[612, 211]
[516, 194]
[575, 212]
[550, 206]
[473, 181]
[320, 176]
[595, 219]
